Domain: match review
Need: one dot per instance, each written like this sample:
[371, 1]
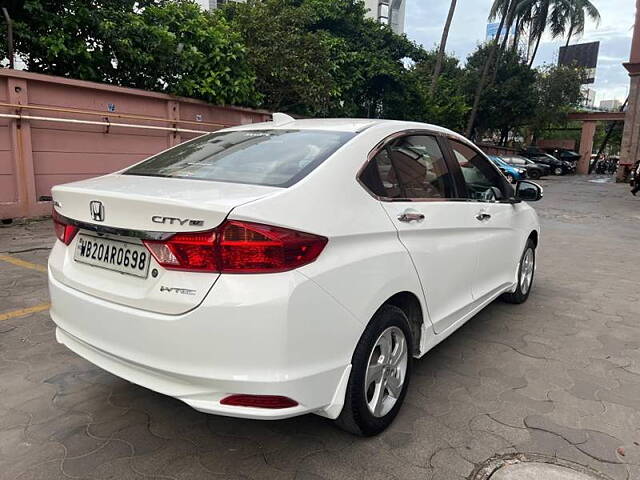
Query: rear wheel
[526, 271]
[381, 367]
[533, 174]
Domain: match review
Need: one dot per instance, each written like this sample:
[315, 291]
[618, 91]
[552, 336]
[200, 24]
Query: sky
[425, 19]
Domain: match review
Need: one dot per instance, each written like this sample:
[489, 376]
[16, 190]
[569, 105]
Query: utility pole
[7, 19]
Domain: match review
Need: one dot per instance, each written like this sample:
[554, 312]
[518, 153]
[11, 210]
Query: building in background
[492, 31]
[213, 4]
[388, 12]
[610, 105]
[588, 97]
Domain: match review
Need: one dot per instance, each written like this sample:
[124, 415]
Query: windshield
[499, 161]
[277, 158]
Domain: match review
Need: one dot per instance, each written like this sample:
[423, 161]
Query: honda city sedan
[296, 266]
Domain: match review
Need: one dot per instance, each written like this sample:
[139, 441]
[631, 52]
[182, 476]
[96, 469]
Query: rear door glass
[277, 158]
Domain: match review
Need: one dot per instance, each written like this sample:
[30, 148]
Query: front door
[498, 245]
[417, 190]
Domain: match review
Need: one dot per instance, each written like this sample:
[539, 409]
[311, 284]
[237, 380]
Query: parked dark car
[534, 170]
[558, 167]
[564, 154]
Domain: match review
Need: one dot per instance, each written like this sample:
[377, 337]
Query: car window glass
[274, 157]
[379, 176]
[478, 174]
[420, 167]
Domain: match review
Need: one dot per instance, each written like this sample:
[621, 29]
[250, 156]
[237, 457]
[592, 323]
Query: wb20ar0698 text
[120, 256]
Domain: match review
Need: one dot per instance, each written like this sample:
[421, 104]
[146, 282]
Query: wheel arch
[410, 304]
[533, 236]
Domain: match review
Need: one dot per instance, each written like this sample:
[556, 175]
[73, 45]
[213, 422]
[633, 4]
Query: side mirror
[528, 191]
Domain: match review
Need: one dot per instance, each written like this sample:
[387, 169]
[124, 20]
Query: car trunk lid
[125, 209]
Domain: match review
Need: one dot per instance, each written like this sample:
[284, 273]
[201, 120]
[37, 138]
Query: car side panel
[364, 263]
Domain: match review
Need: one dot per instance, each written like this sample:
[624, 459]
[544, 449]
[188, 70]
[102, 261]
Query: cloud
[425, 20]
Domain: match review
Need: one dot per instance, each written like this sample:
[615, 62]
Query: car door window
[421, 168]
[411, 167]
[479, 176]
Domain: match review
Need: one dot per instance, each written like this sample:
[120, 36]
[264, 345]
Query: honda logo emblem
[97, 211]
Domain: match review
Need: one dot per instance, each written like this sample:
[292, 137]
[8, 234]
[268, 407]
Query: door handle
[411, 217]
[482, 216]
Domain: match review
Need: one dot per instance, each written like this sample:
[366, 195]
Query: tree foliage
[510, 100]
[307, 57]
[557, 92]
[321, 57]
[169, 46]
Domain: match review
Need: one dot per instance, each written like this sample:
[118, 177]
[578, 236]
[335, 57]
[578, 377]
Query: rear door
[414, 184]
[497, 240]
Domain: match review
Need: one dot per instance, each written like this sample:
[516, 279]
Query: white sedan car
[289, 267]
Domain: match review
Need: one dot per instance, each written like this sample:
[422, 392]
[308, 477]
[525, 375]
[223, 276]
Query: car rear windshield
[276, 158]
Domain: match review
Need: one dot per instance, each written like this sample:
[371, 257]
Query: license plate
[123, 257]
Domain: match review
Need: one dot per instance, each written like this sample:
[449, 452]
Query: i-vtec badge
[174, 220]
[182, 291]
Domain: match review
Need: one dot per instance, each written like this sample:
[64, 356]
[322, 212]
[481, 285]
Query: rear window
[276, 158]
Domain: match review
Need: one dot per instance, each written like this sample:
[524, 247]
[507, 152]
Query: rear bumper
[288, 339]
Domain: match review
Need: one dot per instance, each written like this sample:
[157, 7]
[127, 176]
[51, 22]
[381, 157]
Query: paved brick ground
[559, 375]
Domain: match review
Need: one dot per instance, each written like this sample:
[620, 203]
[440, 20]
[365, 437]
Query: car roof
[355, 125]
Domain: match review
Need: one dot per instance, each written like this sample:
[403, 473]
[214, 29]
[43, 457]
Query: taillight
[186, 251]
[64, 231]
[238, 247]
[259, 401]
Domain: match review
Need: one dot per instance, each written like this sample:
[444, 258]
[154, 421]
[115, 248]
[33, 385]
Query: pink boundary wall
[37, 154]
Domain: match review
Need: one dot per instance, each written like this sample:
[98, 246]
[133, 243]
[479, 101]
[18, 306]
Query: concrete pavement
[558, 376]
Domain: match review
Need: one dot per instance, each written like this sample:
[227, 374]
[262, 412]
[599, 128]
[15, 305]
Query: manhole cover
[527, 466]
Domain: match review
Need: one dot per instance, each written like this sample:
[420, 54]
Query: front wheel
[381, 367]
[533, 174]
[526, 271]
[558, 171]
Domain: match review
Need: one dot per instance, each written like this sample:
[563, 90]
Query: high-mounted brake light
[64, 231]
[238, 247]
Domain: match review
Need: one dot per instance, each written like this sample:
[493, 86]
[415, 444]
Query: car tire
[558, 171]
[511, 178]
[362, 415]
[526, 272]
[533, 174]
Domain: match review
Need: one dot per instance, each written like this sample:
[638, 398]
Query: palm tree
[535, 15]
[485, 69]
[571, 14]
[443, 44]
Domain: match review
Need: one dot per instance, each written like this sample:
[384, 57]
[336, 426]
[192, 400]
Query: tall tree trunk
[535, 50]
[516, 35]
[570, 34]
[482, 81]
[441, 50]
[510, 14]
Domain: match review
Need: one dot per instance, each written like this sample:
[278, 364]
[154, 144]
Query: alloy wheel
[526, 270]
[386, 371]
